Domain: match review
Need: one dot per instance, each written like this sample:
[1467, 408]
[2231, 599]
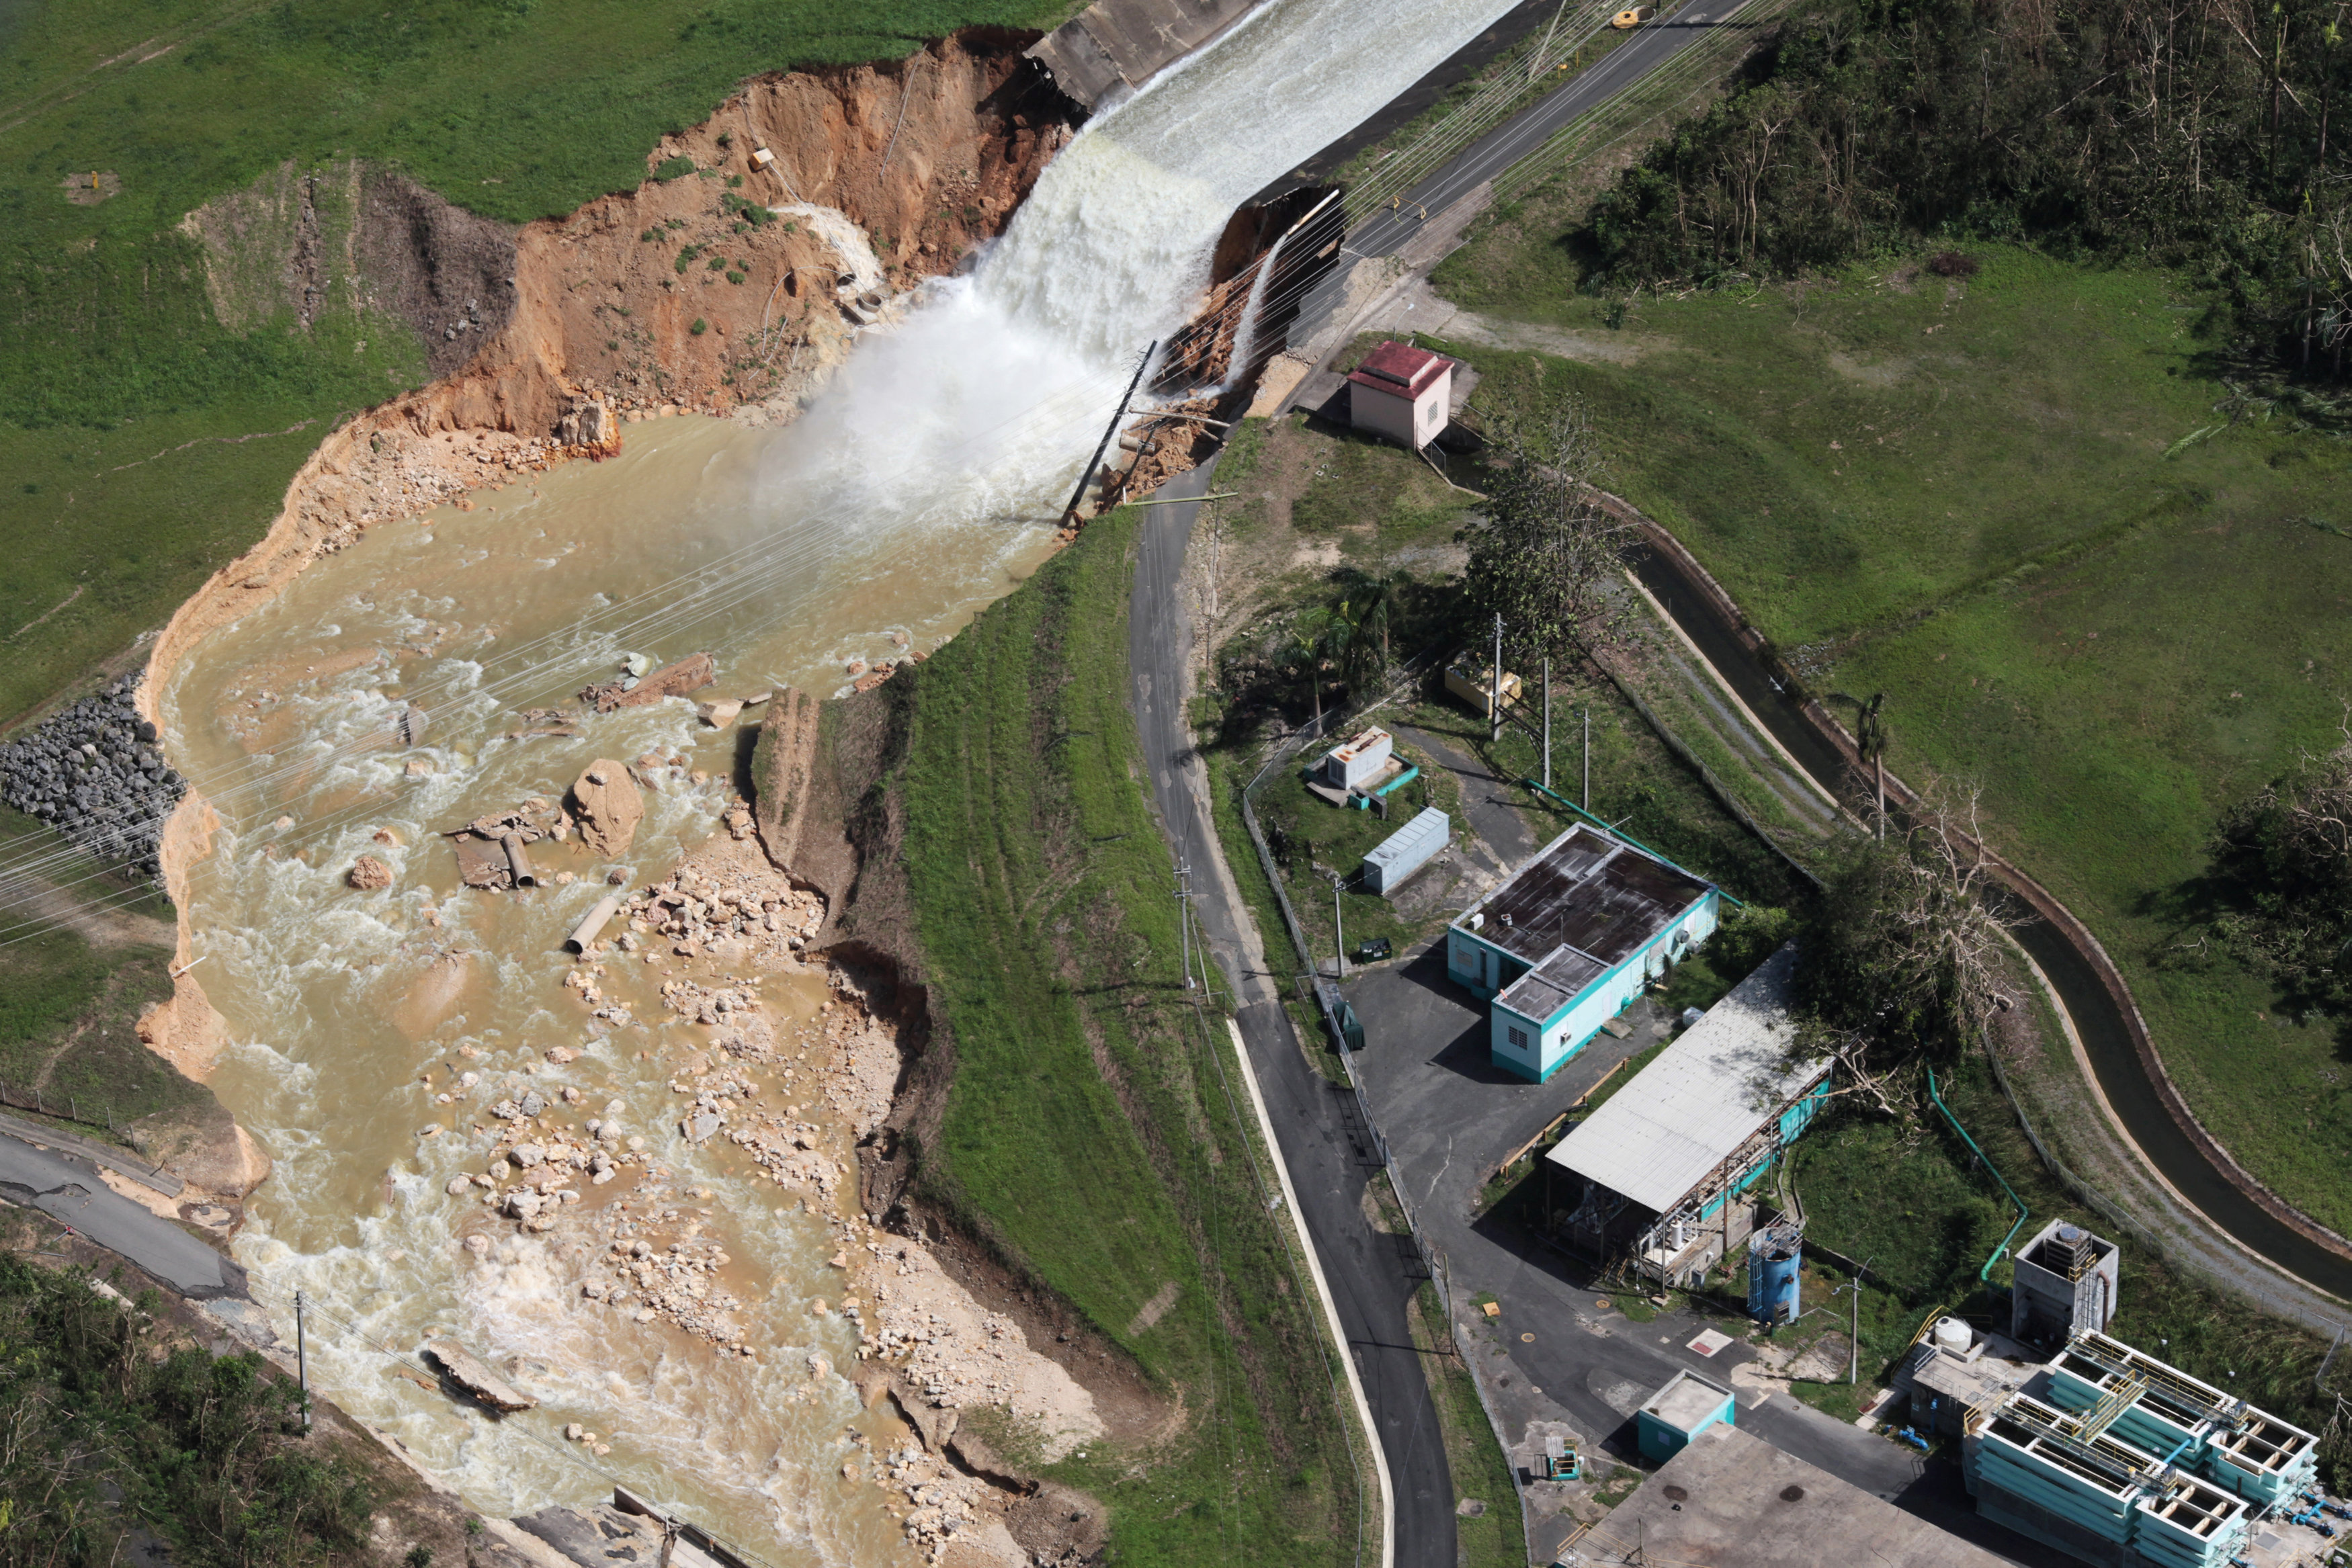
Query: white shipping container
[1406, 851]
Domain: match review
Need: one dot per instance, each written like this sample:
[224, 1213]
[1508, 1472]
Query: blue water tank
[1774, 1254]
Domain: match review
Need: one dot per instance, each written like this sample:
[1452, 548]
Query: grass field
[1975, 496]
[1089, 1132]
[111, 353]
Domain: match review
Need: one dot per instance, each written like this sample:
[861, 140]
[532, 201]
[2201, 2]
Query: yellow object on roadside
[1633, 16]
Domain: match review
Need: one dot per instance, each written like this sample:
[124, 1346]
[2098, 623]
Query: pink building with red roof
[1403, 393]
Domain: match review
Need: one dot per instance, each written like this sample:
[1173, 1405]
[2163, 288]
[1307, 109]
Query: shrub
[699, 327]
[671, 169]
[1952, 263]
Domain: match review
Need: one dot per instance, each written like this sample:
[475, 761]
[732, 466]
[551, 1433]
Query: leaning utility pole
[301, 1360]
[1338, 935]
[1070, 512]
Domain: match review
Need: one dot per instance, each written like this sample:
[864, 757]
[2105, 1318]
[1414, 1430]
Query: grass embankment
[69, 1036]
[1089, 1134]
[1975, 496]
[142, 440]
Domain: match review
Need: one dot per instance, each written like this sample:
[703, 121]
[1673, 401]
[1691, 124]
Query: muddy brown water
[339, 1001]
[922, 485]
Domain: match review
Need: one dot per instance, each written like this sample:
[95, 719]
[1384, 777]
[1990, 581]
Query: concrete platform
[1731, 1500]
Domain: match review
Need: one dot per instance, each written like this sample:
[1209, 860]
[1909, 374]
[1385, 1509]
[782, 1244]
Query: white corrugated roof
[1705, 1095]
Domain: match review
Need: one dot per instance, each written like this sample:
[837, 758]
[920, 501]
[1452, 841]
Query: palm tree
[1870, 738]
[1360, 625]
[1313, 632]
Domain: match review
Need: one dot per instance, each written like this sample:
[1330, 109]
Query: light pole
[1547, 721]
[1338, 935]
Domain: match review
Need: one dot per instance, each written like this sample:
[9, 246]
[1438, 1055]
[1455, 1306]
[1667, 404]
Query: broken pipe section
[591, 923]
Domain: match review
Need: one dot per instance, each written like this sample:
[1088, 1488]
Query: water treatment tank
[1952, 1334]
[1774, 1255]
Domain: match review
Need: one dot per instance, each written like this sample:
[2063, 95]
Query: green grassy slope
[109, 350]
[1973, 498]
[1087, 1132]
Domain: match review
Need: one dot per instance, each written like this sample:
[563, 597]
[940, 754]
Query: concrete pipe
[517, 861]
[591, 923]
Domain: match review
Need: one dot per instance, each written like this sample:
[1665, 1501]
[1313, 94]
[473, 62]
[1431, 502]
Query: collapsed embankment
[1063, 1147]
[684, 294]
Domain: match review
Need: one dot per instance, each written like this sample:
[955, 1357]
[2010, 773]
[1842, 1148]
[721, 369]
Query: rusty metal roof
[1588, 891]
[1398, 369]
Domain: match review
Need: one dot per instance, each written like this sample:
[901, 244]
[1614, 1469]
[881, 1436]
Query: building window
[1518, 1037]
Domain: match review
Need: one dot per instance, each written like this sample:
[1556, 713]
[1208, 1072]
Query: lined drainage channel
[2106, 1041]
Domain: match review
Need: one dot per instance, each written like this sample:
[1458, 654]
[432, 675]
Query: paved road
[1372, 1275]
[71, 1192]
[1651, 47]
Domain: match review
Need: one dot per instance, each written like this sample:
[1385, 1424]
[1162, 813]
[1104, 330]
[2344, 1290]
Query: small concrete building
[1663, 1169]
[1732, 1500]
[1403, 393]
[2065, 1285]
[1568, 939]
[1687, 1405]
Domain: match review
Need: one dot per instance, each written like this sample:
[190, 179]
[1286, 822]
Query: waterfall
[980, 408]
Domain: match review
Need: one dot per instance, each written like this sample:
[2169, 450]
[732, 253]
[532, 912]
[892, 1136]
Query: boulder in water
[369, 875]
[606, 803]
[475, 1379]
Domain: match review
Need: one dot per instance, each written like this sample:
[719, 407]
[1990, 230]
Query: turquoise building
[1570, 939]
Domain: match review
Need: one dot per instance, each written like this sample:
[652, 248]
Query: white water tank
[1952, 1334]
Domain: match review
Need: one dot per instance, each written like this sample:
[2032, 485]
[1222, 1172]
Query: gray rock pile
[92, 772]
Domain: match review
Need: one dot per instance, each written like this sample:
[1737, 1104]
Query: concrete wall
[1117, 44]
[1479, 968]
[1409, 422]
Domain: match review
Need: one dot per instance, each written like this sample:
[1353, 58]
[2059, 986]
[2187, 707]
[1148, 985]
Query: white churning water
[919, 488]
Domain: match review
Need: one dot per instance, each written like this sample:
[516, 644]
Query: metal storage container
[1406, 851]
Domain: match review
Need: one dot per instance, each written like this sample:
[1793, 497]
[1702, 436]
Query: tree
[1359, 626]
[1309, 642]
[2282, 863]
[1870, 737]
[1903, 951]
[1549, 556]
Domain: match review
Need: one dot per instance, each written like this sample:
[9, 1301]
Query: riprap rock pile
[92, 772]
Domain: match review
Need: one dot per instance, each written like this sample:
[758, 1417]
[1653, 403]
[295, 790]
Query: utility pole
[1587, 758]
[1185, 917]
[301, 1360]
[1339, 936]
[1547, 721]
[1494, 689]
[1070, 512]
[1853, 1335]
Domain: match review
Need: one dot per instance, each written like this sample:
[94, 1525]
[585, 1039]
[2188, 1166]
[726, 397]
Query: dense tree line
[110, 1416]
[2203, 134]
